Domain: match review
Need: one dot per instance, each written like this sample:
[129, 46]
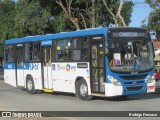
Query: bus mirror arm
[108, 54]
[153, 51]
[106, 51]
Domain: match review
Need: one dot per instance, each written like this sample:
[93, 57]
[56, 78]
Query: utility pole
[93, 14]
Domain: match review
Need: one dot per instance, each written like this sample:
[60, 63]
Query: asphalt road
[1, 75]
[14, 99]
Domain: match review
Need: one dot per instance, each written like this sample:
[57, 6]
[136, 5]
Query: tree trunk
[68, 12]
[119, 13]
[114, 16]
[75, 22]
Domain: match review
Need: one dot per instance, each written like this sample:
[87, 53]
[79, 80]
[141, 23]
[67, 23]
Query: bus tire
[30, 87]
[82, 90]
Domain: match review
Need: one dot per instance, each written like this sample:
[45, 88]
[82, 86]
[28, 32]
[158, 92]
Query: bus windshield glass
[130, 55]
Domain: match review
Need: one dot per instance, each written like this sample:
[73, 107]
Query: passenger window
[19, 54]
[36, 51]
[10, 53]
[64, 50]
[32, 51]
[80, 51]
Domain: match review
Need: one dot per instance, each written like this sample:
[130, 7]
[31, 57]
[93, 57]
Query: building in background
[156, 45]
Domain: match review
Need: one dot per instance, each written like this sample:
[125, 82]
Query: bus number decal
[33, 66]
[10, 66]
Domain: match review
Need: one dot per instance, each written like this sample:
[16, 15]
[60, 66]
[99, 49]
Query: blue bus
[93, 62]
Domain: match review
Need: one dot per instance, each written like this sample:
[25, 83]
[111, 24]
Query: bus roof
[77, 33]
[87, 32]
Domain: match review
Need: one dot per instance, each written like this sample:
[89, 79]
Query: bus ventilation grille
[134, 77]
[134, 88]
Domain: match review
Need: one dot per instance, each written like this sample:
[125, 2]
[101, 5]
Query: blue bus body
[53, 62]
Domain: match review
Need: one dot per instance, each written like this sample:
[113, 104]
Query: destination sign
[129, 34]
[46, 43]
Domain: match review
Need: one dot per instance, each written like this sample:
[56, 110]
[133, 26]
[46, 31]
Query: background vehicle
[94, 62]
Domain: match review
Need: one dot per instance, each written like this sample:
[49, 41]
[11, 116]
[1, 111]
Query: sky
[140, 12]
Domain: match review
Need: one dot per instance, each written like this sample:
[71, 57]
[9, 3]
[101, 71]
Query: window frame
[33, 61]
[13, 61]
[88, 43]
[56, 52]
[89, 37]
[55, 43]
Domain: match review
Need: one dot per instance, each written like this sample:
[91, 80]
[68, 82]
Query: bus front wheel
[30, 86]
[82, 90]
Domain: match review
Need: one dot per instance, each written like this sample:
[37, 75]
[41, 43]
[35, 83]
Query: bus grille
[134, 77]
[134, 88]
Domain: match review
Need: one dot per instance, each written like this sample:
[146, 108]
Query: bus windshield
[130, 55]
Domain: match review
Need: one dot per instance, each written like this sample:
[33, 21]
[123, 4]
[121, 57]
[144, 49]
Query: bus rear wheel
[30, 86]
[82, 90]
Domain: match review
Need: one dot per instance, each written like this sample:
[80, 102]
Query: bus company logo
[58, 67]
[135, 82]
[87, 71]
[53, 67]
[73, 68]
[33, 66]
[68, 67]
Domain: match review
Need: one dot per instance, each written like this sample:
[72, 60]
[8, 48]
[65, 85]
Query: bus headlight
[150, 79]
[114, 81]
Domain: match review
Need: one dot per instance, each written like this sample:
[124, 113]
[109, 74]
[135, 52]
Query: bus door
[20, 64]
[47, 63]
[97, 66]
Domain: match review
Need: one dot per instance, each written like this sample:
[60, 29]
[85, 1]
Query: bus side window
[32, 52]
[36, 51]
[64, 50]
[84, 49]
[76, 54]
[10, 53]
[76, 50]
[80, 49]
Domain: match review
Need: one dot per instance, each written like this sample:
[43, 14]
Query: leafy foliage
[126, 11]
[6, 22]
[154, 17]
[33, 17]
[113, 6]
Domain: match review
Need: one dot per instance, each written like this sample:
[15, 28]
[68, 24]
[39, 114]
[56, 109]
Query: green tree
[76, 12]
[119, 12]
[154, 17]
[7, 13]
[32, 19]
[80, 12]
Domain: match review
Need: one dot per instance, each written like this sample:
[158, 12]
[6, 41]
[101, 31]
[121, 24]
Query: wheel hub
[83, 90]
[30, 85]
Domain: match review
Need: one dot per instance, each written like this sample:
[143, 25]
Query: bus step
[100, 95]
[48, 90]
